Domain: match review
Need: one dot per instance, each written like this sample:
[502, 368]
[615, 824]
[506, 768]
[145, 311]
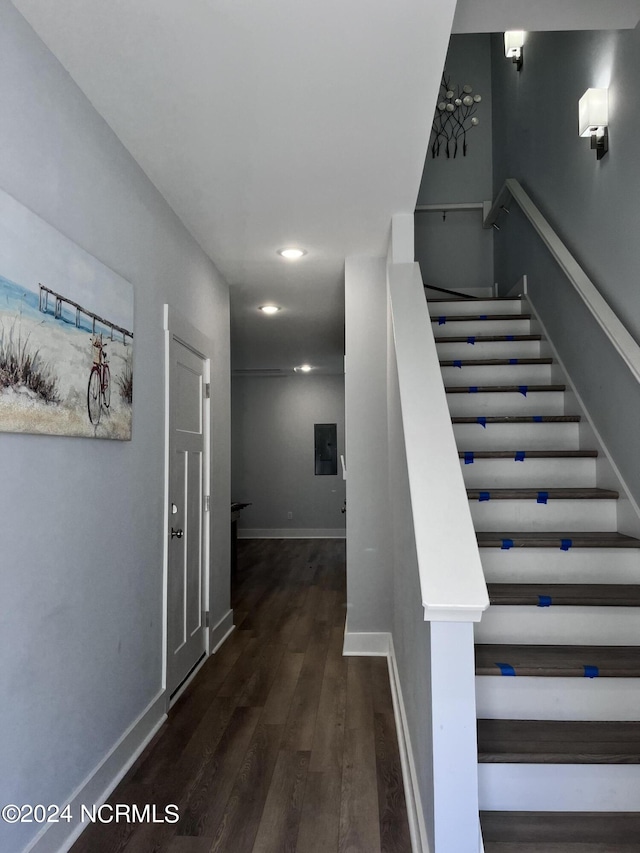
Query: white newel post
[455, 750]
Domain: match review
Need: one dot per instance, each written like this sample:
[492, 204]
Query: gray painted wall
[411, 634]
[82, 520]
[592, 205]
[369, 555]
[273, 451]
[456, 253]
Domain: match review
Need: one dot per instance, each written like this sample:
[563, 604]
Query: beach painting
[66, 334]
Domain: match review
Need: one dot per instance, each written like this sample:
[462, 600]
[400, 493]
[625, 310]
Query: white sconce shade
[593, 119]
[593, 112]
[513, 43]
[513, 47]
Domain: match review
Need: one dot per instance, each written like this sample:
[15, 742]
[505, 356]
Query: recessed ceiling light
[291, 254]
[305, 368]
[270, 309]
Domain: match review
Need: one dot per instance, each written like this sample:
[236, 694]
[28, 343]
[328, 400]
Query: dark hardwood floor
[280, 743]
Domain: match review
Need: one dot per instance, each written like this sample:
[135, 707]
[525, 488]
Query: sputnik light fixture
[593, 119]
[514, 47]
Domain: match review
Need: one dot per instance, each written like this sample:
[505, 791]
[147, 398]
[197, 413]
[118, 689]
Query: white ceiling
[492, 16]
[266, 123]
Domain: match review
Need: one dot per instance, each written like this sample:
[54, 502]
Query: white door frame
[176, 326]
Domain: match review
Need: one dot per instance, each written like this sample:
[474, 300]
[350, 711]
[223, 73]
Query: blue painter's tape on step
[591, 671]
[565, 544]
[471, 339]
[520, 455]
[513, 361]
[484, 496]
[442, 321]
[457, 362]
[537, 419]
[510, 337]
[473, 389]
[506, 669]
[544, 601]
[483, 316]
[506, 544]
[482, 422]
[523, 389]
[468, 457]
[542, 498]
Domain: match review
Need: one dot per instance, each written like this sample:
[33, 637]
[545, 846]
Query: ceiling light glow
[304, 368]
[270, 309]
[291, 254]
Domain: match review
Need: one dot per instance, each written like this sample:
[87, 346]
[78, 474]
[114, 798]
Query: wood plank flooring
[280, 744]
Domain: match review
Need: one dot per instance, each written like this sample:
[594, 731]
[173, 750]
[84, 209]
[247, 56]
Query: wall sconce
[513, 46]
[593, 119]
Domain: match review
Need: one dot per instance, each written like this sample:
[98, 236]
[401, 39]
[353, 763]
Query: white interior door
[186, 537]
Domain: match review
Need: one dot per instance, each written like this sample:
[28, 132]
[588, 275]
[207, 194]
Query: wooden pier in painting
[43, 305]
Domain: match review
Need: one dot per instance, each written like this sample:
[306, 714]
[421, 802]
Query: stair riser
[497, 374]
[527, 436]
[527, 698]
[488, 349]
[467, 307]
[578, 565]
[480, 327]
[547, 473]
[556, 515]
[559, 787]
[560, 625]
[507, 403]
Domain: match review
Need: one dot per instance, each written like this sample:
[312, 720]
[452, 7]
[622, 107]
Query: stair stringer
[608, 475]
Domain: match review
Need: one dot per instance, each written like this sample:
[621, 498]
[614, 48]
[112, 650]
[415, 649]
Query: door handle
[177, 534]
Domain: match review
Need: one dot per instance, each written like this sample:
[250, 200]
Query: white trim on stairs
[415, 811]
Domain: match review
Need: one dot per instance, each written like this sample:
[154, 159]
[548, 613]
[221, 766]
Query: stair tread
[494, 362]
[463, 339]
[497, 389]
[567, 594]
[455, 318]
[558, 661]
[545, 539]
[518, 419]
[561, 830]
[558, 742]
[531, 454]
[552, 494]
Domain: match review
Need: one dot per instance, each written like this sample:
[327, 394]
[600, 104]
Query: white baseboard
[221, 631]
[292, 533]
[415, 812]
[96, 788]
[361, 644]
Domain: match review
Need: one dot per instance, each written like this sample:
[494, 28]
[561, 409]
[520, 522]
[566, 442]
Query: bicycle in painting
[99, 387]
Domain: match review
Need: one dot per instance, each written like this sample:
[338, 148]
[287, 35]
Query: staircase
[559, 743]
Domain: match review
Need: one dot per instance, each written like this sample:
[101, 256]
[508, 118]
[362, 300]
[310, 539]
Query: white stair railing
[434, 536]
[607, 319]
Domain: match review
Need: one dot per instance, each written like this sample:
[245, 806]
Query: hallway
[280, 743]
